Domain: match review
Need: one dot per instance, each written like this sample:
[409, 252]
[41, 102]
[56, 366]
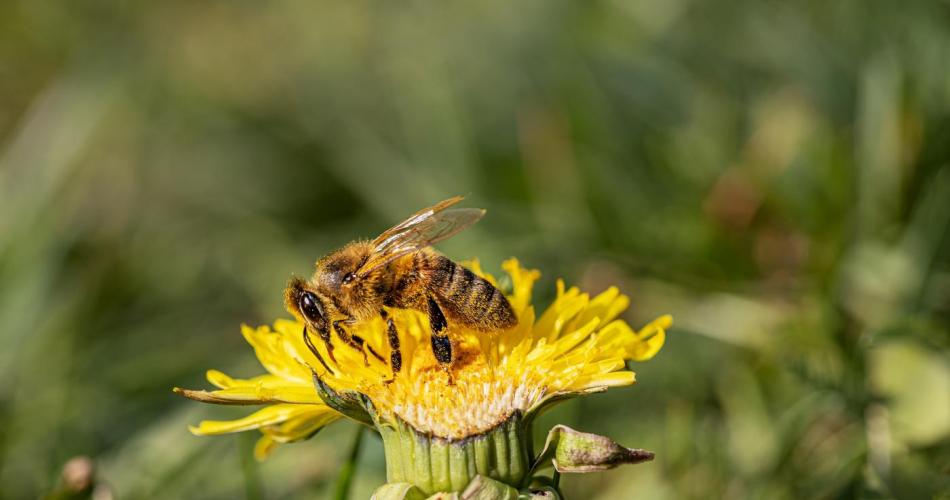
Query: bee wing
[423, 228]
[418, 217]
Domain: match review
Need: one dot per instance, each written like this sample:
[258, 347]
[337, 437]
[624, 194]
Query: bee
[399, 269]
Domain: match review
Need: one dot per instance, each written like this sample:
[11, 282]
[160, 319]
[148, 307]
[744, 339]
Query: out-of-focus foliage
[774, 174]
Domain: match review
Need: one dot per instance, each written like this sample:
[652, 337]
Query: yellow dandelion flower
[441, 427]
[294, 410]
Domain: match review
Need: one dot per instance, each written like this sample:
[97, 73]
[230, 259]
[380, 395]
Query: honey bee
[399, 269]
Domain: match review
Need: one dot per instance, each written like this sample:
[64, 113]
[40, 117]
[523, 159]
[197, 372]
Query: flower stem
[556, 480]
[252, 482]
[346, 472]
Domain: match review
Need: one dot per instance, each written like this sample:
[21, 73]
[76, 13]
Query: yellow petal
[270, 415]
[223, 381]
[296, 428]
[565, 307]
[606, 306]
[571, 340]
[649, 339]
[274, 394]
[264, 447]
[522, 281]
[219, 379]
[617, 333]
[613, 379]
[301, 426]
[271, 352]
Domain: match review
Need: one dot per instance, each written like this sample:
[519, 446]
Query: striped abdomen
[467, 298]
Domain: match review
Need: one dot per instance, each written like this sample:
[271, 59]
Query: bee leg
[325, 337]
[348, 340]
[441, 343]
[359, 340]
[395, 356]
[354, 341]
[313, 349]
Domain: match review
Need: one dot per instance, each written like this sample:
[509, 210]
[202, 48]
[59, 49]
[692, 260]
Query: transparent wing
[423, 228]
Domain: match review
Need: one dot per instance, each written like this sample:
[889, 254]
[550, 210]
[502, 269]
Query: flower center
[475, 400]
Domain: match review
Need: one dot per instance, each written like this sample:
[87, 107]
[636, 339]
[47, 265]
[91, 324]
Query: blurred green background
[774, 174]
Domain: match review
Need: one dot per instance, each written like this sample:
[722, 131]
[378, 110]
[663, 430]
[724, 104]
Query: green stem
[345, 479]
[556, 479]
[252, 482]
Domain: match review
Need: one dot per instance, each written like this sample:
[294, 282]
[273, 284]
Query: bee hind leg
[441, 343]
[395, 355]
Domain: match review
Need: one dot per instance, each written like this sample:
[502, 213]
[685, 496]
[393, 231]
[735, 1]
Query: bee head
[304, 303]
[337, 271]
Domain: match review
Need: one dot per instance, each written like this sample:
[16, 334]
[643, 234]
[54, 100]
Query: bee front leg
[441, 343]
[313, 349]
[354, 341]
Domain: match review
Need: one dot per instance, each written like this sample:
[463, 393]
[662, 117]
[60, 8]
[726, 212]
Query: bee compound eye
[348, 277]
[310, 307]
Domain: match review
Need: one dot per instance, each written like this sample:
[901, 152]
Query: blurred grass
[773, 174]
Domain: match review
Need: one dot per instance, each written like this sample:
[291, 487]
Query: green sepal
[397, 491]
[434, 464]
[348, 403]
[485, 488]
[481, 488]
[574, 451]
